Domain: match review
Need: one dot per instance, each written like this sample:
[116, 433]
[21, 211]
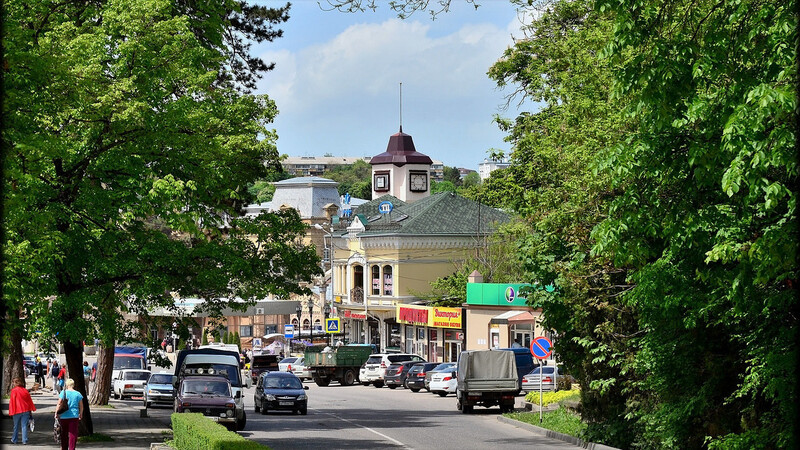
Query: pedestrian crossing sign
[332, 325]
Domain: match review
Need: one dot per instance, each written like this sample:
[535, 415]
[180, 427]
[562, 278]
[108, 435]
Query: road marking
[395, 441]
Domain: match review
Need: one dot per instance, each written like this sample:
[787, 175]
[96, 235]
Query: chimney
[475, 277]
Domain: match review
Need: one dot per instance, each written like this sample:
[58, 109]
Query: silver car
[547, 376]
[300, 370]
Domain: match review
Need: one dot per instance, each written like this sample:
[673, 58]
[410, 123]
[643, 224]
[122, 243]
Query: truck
[339, 364]
[486, 378]
[129, 357]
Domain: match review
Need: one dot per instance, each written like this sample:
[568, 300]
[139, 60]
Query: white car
[374, 370]
[129, 383]
[300, 370]
[286, 364]
[444, 382]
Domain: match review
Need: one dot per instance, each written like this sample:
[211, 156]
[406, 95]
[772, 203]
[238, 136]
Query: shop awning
[514, 316]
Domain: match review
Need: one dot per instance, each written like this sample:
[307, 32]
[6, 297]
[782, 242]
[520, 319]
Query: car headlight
[270, 397]
[302, 397]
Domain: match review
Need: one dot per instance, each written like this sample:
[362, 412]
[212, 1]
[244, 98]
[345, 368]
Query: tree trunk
[74, 356]
[13, 366]
[102, 381]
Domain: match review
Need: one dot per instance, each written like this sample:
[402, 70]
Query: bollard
[143, 413]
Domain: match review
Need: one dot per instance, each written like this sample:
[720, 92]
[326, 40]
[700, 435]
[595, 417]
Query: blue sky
[338, 77]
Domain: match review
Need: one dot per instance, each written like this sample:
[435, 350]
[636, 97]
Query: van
[524, 360]
[261, 364]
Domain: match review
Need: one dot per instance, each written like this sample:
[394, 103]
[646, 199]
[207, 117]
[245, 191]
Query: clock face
[419, 182]
[381, 182]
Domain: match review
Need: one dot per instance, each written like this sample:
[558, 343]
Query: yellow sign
[445, 317]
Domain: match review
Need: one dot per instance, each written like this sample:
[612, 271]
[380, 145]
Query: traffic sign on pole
[288, 331]
[541, 348]
[332, 325]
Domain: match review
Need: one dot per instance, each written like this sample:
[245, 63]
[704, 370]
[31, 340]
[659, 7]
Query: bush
[552, 397]
[193, 431]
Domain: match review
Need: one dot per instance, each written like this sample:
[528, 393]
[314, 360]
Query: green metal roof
[445, 213]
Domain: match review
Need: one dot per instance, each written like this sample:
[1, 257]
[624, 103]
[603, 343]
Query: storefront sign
[437, 317]
[347, 314]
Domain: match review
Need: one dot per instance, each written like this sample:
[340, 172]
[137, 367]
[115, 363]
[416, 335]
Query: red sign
[347, 314]
[541, 348]
[413, 315]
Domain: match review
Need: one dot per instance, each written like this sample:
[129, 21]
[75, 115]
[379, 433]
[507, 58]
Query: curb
[555, 435]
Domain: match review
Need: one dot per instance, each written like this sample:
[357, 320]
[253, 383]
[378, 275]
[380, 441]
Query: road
[367, 417]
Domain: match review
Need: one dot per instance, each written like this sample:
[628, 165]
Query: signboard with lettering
[434, 316]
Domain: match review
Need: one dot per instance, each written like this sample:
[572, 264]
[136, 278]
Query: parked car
[210, 395]
[158, 389]
[300, 370]
[129, 383]
[548, 375]
[415, 380]
[396, 374]
[444, 382]
[443, 367]
[280, 391]
[285, 365]
[30, 364]
[375, 367]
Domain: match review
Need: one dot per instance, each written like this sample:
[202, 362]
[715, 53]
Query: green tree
[128, 143]
[551, 184]
[204, 340]
[442, 186]
[452, 175]
[706, 221]
[352, 178]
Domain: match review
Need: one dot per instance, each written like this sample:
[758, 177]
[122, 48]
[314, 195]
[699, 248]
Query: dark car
[210, 396]
[158, 389]
[280, 391]
[263, 363]
[415, 380]
[30, 364]
[396, 373]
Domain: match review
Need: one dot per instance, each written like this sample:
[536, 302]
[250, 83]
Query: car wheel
[241, 423]
[348, 378]
[256, 407]
[442, 393]
[414, 389]
[405, 384]
[263, 408]
[391, 386]
[304, 411]
[365, 383]
[466, 409]
[378, 384]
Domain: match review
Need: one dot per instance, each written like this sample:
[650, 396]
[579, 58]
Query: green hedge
[193, 431]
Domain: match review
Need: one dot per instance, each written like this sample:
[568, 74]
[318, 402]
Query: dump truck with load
[486, 378]
[339, 364]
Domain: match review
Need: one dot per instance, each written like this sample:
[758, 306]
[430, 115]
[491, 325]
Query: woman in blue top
[70, 418]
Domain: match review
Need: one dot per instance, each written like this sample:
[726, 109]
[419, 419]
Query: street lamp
[311, 320]
[298, 310]
[327, 311]
[328, 233]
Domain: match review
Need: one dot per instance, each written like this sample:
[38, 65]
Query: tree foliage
[129, 143]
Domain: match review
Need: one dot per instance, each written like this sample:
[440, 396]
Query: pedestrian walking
[39, 369]
[86, 372]
[70, 418]
[54, 371]
[94, 370]
[61, 378]
[20, 407]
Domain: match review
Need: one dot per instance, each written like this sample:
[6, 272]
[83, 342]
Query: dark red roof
[400, 152]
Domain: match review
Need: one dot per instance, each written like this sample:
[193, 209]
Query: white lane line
[395, 441]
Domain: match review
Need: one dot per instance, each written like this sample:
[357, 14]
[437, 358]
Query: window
[306, 324]
[376, 280]
[245, 331]
[387, 280]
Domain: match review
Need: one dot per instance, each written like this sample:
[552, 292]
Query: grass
[96, 437]
[561, 420]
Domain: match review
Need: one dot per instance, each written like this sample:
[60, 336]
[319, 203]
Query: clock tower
[401, 171]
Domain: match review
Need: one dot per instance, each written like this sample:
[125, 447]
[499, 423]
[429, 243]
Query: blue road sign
[541, 348]
[288, 331]
[332, 325]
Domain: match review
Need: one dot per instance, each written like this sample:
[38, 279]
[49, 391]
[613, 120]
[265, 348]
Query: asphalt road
[367, 417]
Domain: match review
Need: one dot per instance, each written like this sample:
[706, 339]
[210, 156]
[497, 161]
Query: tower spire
[401, 106]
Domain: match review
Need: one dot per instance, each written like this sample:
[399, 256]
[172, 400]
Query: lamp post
[298, 310]
[327, 311]
[311, 319]
[328, 233]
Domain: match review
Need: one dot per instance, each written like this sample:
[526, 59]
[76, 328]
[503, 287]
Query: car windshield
[206, 387]
[282, 383]
[288, 360]
[536, 371]
[160, 379]
[128, 362]
[142, 376]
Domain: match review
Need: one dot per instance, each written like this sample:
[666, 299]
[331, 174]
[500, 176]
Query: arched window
[387, 280]
[376, 280]
[317, 324]
[306, 324]
[294, 322]
[358, 276]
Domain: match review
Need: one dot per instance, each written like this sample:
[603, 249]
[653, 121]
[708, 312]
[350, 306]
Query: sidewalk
[120, 421]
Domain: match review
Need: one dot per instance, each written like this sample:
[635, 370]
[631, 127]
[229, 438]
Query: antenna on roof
[401, 106]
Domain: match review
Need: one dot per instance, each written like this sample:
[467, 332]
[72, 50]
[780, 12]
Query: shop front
[435, 333]
[497, 317]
